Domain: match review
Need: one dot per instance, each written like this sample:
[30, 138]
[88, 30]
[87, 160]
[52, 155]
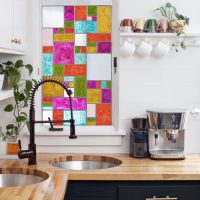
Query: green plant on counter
[177, 23]
[21, 89]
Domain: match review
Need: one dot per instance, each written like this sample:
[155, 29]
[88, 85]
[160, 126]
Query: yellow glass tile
[104, 19]
[52, 89]
[91, 49]
[71, 84]
[94, 96]
[63, 37]
[91, 123]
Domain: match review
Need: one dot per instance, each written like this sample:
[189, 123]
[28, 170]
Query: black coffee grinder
[139, 138]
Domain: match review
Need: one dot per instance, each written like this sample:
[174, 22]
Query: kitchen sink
[85, 162]
[14, 177]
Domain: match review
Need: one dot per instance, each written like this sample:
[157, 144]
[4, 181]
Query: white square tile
[46, 114]
[89, 18]
[47, 37]
[91, 110]
[66, 95]
[99, 66]
[80, 40]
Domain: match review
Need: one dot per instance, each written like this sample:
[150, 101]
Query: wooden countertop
[130, 169]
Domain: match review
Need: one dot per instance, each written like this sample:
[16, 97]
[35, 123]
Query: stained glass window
[76, 49]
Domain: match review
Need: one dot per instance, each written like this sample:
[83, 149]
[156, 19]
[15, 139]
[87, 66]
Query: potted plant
[21, 89]
[2, 75]
[177, 23]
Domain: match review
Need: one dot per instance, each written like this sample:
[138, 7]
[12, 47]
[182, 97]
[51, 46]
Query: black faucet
[31, 152]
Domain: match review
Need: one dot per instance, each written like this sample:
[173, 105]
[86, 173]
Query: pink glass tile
[91, 84]
[69, 12]
[63, 104]
[106, 96]
[104, 47]
[55, 30]
[63, 53]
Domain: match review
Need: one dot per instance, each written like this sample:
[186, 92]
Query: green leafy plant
[170, 12]
[21, 89]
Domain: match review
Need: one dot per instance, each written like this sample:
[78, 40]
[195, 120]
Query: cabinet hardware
[164, 198]
[19, 41]
[14, 40]
[115, 65]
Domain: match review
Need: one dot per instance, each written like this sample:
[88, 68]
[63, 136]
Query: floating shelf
[5, 94]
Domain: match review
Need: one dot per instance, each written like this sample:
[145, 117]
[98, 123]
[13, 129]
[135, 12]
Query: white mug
[126, 29]
[127, 49]
[162, 48]
[145, 48]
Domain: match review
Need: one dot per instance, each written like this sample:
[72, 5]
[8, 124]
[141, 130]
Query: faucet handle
[20, 145]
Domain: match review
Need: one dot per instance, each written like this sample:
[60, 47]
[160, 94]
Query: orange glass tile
[47, 49]
[99, 37]
[47, 99]
[75, 70]
[83, 49]
[69, 30]
[80, 13]
[58, 115]
[98, 84]
[103, 114]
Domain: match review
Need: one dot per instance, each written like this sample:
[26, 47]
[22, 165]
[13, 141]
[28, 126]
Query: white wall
[170, 82]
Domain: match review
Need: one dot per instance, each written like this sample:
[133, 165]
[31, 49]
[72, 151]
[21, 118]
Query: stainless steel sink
[20, 177]
[86, 162]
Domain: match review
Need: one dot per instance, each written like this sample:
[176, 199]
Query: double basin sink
[18, 177]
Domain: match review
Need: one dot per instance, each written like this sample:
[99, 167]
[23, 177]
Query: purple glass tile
[63, 53]
[94, 18]
[104, 47]
[106, 96]
[55, 30]
[69, 12]
[91, 84]
[66, 84]
[63, 103]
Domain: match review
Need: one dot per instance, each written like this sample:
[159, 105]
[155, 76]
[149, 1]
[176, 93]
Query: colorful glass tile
[47, 37]
[91, 44]
[99, 84]
[91, 26]
[93, 96]
[80, 58]
[47, 102]
[68, 78]
[61, 30]
[75, 70]
[91, 110]
[47, 62]
[104, 47]
[92, 11]
[94, 18]
[69, 30]
[80, 12]
[104, 19]
[83, 49]
[58, 70]
[91, 50]
[69, 13]
[103, 114]
[71, 84]
[47, 49]
[58, 115]
[91, 121]
[63, 37]
[69, 24]
[80, 39]
[89, 18]
[80, 26]
[56, 30]
[109, 84]
[91, 84]
[103, 85]
[80, 86]
[63, 53]
[77, 49]
[79, 117]
[98, 37]
[106, 96]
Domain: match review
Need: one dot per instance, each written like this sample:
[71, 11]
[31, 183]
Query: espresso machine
[166, 129]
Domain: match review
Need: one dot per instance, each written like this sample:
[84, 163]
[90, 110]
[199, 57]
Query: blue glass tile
[103, 85]
[47, 64]
[80, 26]
[91, 27]
[79, 117]
[47, 108]
[69, 79]
[80, 58]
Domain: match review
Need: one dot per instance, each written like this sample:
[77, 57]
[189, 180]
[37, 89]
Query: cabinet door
[20, 24]
[159, 192]
[6, 23]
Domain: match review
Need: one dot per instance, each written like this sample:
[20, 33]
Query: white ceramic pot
[1, 80]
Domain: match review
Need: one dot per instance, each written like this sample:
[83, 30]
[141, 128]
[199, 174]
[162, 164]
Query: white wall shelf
[5, 94]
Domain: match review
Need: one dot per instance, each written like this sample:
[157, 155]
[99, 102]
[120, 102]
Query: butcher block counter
[131, 169]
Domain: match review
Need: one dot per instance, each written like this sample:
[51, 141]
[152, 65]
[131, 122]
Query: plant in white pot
[2, 75]
[21, 89]
[177, 23]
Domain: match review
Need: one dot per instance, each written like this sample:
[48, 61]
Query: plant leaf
[169, 5]
[21, 118]
[13, 76]
[8, 63]
[30, 68]
[10, 126]
[19, 64]
[23, 113]
[183, 46]
[28, 86]
[9, 108]
[21, 97]
[28, 125]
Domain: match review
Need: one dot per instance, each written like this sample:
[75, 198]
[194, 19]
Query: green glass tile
[109, 84]
[47, 104]
[69, 24]
[77, 49]
[61, 30]
[80, 86]
[90, 119]
[92, 11]
[91, 44]
[58, 70]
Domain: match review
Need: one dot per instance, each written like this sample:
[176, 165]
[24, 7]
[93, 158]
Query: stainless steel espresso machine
[167, 134]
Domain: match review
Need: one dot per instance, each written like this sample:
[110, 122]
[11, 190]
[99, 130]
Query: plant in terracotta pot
[177, 23]
[21, 88]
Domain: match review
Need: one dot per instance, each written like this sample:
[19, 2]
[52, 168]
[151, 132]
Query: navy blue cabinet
[132, 190]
